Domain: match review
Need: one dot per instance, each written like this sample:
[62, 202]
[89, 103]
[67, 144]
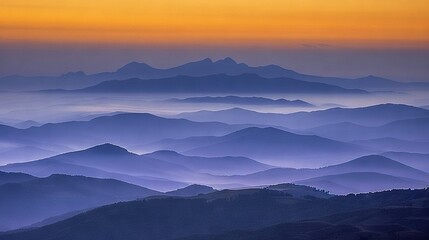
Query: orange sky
[279, 23]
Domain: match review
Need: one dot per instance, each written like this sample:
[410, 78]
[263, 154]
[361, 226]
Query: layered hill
[26, 202]
[375, 115]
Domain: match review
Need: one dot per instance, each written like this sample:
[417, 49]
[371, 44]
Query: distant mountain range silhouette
[236, 100]
[374, 115]
[227, 66]
[218, 83]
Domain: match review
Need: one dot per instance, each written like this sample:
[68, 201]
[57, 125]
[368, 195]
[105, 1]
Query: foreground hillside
[402, 214]
[386, 224]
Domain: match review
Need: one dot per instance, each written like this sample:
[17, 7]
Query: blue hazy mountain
[357, 182]
[121, 129]
[6, 177]
[231, 67]
[191, 190]
[75, 80]
[248, 210]
[380, 164]
[212, 165]
[24, 153]
[268, 145]
[109, 161]
[371, 163]
[219, 83]
[236, 100]
[300, 191]
[415, 160]
[162, 170]
[24, 203]
[54, 219]
[408, 129]
[368, 116]
[393, 144]
[27, 124]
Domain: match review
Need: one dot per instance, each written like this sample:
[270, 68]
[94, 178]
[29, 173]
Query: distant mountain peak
[395, 106]
[128, 116]
[374, 160]
[191, 190]
[135, 68]
[207, 60]
[227, 61]
[266, 131]
[107, 148]
[376, 78]
[204, 62]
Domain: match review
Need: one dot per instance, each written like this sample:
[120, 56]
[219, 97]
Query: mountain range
[162, 170]
[76, 80]
[122, 129]
[385, 171]
[83, 157]
[374, 115]
[267, 145]
[167, 170]
[237, 100]
[109, 161]
[358, 182]
[219, 83]
[212, 165]
[415, 130]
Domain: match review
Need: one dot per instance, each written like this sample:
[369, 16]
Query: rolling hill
[27, 202]
[211, 165]
[121, 129]
[272, 146]
[109, 161]
[191, 190]
[372, 163]
[375, 115]
[416, 130]
[393, 144]
[415, 160]
[358, 182]
[6, 177]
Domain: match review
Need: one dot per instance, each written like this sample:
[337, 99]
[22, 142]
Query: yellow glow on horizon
[350, 23]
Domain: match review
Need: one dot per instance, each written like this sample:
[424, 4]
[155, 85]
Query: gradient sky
[331, 37]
